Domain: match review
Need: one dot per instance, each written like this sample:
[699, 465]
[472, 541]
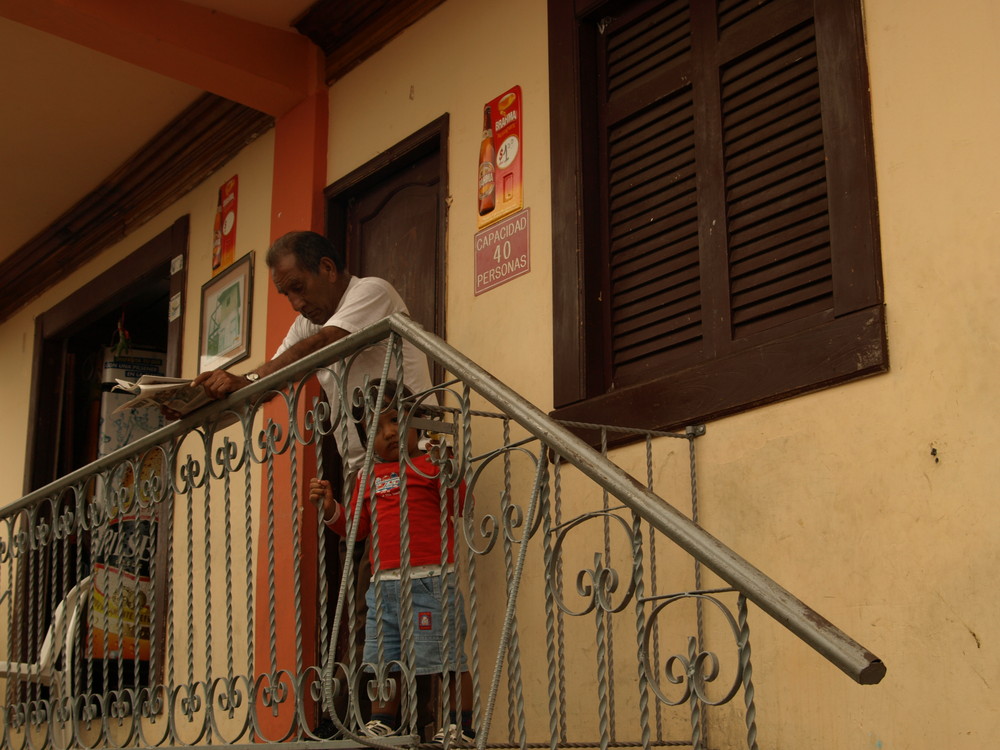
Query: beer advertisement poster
[224, 234]
[499, 177]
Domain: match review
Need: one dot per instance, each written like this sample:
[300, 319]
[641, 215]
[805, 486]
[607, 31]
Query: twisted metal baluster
[208, 593]
[471, 564]
[142, 488]
[652, 587]
[324, 594]
[25, 539]
[296, 561]
[696, 708]
[227, 505]
[47, 713]
[698, 604]
[508, 557]
[448, 586]
[64, 566]
[146, 710]
[604, 719]
[13, 623]
[550, 618]
[514, 652]
[349, 574]
[609, 621]
[248, 541]
[190, 587]
[409, 653]
[746, 673]
[406, 596]
[72, 531]
[124, 496]
[169, 614]
[79, 526]
[108, 598]
[271, 613]
[94, 514]
[640, 608]
[35, 623]
[376, 552]
[560, 616]
[33, 595]
[544, 499]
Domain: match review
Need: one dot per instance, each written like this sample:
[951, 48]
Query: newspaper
[176, 394]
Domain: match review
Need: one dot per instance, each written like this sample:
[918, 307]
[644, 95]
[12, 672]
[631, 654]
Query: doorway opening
[135, 304]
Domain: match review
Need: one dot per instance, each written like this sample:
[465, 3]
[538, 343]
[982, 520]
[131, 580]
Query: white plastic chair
[60, 639]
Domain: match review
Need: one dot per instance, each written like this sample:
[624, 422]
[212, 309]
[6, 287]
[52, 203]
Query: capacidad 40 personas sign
[502, 252]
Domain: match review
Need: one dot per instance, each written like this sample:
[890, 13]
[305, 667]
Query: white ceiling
[72, 115]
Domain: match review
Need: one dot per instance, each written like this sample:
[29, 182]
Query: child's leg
[384, 712]
[387, 711]
[466, 691]
[465, 696]
[460, 698]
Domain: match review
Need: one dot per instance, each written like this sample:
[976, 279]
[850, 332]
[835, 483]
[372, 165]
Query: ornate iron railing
[182, 591]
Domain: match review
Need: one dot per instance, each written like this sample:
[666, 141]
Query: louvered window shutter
[648, 118]
[728, 211]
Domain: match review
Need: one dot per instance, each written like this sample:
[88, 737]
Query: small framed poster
[225, 316]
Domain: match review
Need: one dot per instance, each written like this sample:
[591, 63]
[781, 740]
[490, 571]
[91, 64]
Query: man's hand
[219, 383]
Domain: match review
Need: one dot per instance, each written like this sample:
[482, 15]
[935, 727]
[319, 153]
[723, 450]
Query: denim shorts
[428, 625]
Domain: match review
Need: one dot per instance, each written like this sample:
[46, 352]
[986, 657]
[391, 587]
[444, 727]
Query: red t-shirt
[423, 502]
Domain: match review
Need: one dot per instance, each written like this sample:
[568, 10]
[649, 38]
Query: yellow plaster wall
[455, 60]
[874, 501]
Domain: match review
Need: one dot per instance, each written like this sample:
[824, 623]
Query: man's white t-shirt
[367, 300]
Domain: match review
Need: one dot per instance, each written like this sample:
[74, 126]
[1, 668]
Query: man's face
[314, 295]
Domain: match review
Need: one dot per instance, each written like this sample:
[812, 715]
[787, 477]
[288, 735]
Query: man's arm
[219, 383]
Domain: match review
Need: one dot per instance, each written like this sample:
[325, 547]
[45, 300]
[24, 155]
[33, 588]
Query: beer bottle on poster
[487, 167]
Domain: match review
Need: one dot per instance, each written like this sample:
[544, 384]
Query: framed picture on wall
[225, 316]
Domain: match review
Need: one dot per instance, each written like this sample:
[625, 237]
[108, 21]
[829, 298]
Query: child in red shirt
[435, 593]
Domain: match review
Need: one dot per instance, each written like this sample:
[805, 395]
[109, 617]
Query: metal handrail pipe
[825, 638]
[213, 412]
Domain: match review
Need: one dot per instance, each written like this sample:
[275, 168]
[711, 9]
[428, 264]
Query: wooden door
[393, 232]
[390, 216]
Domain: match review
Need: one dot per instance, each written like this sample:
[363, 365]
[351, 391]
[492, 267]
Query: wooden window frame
[844, 345]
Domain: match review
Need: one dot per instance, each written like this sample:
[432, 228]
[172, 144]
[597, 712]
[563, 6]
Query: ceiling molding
[180, 157]
[351, 31]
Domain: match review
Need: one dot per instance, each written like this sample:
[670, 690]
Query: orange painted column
[296, 203]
